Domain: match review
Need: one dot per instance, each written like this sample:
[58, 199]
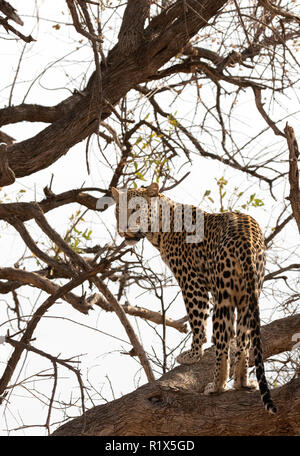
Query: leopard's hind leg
[223, 331]
[241, 364]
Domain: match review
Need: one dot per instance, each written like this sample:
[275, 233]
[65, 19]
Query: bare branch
[81, 117]
[78, 26]
[20, 345]
[259, 104]
[291, 267]
[8, 27]
[21, 277]
[279, 11]
[277, 229]
[155, 317]
[32, 324]
[10, 12]
[293, 173]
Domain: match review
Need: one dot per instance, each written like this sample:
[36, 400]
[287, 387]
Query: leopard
[225, 265]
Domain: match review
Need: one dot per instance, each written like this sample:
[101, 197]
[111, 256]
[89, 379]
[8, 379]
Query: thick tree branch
[52, 201]
[175, 405]
[164, 37]
[33, 112]
[10, 12]
[166, 410]
[190, 66]
[132, 29]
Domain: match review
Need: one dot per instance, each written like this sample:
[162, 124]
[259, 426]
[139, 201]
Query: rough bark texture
[132, 29]
[175, 404]
[77, 117]
[293, 173]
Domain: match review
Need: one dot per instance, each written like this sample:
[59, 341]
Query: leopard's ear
[115, 194]
[152, 190]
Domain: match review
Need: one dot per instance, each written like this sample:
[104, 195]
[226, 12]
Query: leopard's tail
[254, 326]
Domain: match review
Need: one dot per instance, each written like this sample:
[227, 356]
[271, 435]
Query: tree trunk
[175, 404]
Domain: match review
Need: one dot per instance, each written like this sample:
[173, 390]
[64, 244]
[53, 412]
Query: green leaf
[258, 203]
[140, 176]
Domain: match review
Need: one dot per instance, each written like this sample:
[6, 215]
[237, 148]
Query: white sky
[102, 360]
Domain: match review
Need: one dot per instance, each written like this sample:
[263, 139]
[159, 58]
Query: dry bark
[10, 14]
[78, 115]
[294, 196]
[175, 405]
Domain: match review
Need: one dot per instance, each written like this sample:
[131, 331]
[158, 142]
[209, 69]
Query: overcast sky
[60, 49]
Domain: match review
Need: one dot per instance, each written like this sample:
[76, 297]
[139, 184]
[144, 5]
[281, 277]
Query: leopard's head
[133, 211]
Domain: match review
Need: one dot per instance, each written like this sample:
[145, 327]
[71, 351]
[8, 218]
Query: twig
[55, 360]
[78, 26]
[32, 324]
[259, 105]
[141, 312]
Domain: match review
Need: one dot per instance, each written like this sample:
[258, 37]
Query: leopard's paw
[189, 357]
[212, 389]
[250, 385]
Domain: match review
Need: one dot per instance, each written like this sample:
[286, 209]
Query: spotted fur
[229, 263]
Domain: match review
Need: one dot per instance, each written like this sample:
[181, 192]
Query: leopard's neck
[169, 217]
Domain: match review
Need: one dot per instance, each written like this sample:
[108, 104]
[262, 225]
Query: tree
[152, 59]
